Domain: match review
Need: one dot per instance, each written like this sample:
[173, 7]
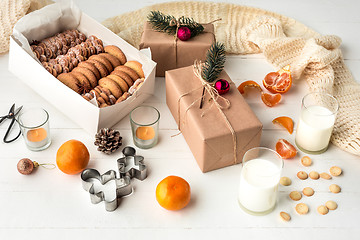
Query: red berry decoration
[184, 33]
[222, 86]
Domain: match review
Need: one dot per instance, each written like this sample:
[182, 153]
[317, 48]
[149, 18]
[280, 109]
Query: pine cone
[108, 140]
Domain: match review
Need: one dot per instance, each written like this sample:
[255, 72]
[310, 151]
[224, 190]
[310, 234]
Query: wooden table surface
[51, 205]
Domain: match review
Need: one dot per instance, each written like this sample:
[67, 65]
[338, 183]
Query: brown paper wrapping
[170, 55]
[208, 136]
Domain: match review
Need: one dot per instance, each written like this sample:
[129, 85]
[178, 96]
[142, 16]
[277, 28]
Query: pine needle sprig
[161, 22]
[214, 63]
[195, 28]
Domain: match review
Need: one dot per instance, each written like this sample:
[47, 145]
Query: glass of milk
[317, 118]
[259, 180]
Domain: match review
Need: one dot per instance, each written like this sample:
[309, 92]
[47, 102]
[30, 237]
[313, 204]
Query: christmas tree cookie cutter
[123, 187]
[132, 165]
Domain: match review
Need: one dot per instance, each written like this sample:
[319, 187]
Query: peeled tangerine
[286, 122]
[278, 82]
[285, 149]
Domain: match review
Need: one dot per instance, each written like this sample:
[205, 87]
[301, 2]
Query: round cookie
[121, 82]
[112, 59]
[70, 81]
[137, 67]
[88, 74]
[129, 71]
[112, 86]
[85, 85]
[115, 51]
[104, 61]
[124, 76]
[102, 69]
[91, 67]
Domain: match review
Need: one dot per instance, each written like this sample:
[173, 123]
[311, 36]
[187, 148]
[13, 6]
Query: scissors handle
[8, 131]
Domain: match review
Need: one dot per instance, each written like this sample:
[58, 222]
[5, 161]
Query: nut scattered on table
[295, 195]
[302, 208]
[306, 161]
[325, 175]
[335, 171]
[285, 181]
[314, 175]
[334, 188]
[302, 175]
[308, 191]
[322, 210]
[331, 205]
[285, 216]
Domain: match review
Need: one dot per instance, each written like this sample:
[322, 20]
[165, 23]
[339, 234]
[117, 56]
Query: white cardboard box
[47, 22]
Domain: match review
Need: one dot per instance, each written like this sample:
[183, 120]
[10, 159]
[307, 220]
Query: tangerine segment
[285, 149]
[173, 193]
[269, 99]
[286, 122]
[278, 82]
[248, 84]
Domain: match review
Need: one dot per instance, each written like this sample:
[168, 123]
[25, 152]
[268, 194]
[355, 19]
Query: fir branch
[214, 63]
[195, 28]
[161, 22]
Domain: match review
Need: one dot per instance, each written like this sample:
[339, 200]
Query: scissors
[11, 115]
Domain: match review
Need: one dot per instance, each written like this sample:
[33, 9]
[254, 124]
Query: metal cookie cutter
[123, 187]
[132, 165]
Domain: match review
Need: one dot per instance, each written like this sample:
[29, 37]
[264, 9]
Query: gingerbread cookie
[112, 59]
[104, 61]
[137, 67]
[115, 51]
[85, 85]
[124, 76]
[121, 82]
[129, 71]
[88, 74]
[91, 67]
[101, 67]
[112, 86]
[70, 81]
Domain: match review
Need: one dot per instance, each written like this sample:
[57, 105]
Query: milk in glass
[259, 185]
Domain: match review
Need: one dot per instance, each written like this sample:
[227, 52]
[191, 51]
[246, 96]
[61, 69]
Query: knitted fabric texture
[282, 40]
[10, 12]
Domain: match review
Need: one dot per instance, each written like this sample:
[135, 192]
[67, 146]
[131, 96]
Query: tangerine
[173, 193]
[249, 84]
[278, 82]
[72, 157]
[269, 99]
[285, 149]
[286, 122]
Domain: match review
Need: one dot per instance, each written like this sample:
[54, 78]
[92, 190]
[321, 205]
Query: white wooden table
[51, 205]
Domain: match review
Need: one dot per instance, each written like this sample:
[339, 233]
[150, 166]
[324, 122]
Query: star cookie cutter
[123, 187]
[132, 165]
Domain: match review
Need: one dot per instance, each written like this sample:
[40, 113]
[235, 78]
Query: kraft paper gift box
[170, 54]
[208, 136]
[56, 18]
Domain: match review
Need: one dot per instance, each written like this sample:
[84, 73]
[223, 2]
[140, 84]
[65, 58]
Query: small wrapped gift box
[205, 130]
[170, 53]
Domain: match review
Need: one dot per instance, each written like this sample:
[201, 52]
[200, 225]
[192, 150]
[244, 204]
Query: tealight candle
[259, 180]
[145, 126]
[34, 126]
[317, 118]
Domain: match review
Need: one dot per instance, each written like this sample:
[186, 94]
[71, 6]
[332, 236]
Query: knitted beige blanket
[246, 30]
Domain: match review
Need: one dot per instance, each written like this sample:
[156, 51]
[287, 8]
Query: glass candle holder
[145, 126]
[259, 180]
[34, 126]
[317, 118]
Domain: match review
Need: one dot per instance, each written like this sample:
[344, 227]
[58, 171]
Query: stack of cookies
[90, 69]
